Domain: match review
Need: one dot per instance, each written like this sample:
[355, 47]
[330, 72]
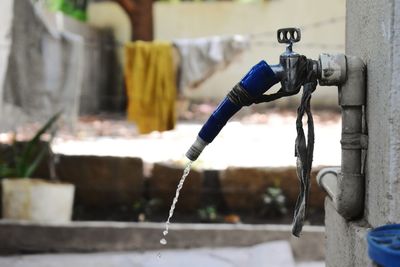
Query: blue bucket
[384, 245]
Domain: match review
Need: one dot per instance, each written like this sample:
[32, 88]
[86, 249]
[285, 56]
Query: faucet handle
[288, 35]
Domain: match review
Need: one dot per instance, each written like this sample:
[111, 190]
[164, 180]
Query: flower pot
[37, 200]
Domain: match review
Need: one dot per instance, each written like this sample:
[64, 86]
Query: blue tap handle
[256, 82]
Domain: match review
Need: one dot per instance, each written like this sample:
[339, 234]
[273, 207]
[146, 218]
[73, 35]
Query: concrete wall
[375, 26]
[345, 241]
[187, 20]
[110, 15]
[373, 33]
[6, 7]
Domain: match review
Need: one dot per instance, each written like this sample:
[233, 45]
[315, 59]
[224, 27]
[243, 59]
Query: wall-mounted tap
[292, 72]
[345, 186]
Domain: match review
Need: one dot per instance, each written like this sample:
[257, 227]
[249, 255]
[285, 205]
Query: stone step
[117, 236]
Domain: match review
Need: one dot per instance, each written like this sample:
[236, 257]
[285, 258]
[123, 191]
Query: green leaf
[25, 165]
[28, 171]
[5, 170]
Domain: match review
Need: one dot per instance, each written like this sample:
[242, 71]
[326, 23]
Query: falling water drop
[163, 241]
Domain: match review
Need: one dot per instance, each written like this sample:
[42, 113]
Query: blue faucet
[292, 71]
[254, 84]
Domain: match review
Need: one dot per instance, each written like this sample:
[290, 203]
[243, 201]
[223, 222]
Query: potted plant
[34, 199]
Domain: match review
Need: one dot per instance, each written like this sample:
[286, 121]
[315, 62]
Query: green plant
[208, 214]
[273, 202]
[145, 208]
[27, 156]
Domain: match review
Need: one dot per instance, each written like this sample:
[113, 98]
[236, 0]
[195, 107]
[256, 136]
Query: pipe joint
[354, 141]
[349, 201]
[352, 92]
[332, 69]
[340, 188]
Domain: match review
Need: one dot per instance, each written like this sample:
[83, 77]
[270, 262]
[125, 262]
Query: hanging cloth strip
[304, 151]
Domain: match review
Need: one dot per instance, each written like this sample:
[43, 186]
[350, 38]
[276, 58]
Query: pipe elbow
[352, 92]
[355, 64]
[350, 197]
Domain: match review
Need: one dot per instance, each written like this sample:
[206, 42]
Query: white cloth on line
[201, 57]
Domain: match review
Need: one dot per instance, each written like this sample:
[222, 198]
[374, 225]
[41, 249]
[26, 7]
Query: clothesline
[302, 45]
[153, 79]
[254, 36]
[112, 46]
[305, 27]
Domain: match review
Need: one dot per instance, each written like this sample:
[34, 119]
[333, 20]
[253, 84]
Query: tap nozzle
[195, 150]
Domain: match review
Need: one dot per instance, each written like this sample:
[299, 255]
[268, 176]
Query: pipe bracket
[352, 141]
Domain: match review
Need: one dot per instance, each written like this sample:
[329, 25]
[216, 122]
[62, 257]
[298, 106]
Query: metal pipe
[278, 71]
[346, 187]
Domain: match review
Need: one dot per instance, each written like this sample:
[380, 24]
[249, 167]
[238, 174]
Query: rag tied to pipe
[304, 149]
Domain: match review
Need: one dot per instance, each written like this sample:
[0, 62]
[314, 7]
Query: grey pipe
[346, 187]
[327, 179]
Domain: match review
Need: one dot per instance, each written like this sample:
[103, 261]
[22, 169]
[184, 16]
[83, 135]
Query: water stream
[163, 240]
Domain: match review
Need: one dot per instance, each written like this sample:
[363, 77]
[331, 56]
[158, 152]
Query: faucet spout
[196, 149]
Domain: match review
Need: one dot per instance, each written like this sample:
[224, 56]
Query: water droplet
[159, 255]
[175, 200]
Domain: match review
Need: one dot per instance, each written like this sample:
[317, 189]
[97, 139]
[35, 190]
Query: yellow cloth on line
[151, 86]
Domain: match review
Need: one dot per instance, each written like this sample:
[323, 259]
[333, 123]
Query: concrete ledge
[346, 241]
[17, 237]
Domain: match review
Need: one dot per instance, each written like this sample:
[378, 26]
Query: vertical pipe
[346, 187]
[351, 127]
[350, 198]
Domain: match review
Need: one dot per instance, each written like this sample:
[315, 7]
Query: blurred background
[99, 102]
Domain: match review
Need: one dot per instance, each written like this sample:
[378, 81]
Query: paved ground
[272, 254]
[253, 139]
